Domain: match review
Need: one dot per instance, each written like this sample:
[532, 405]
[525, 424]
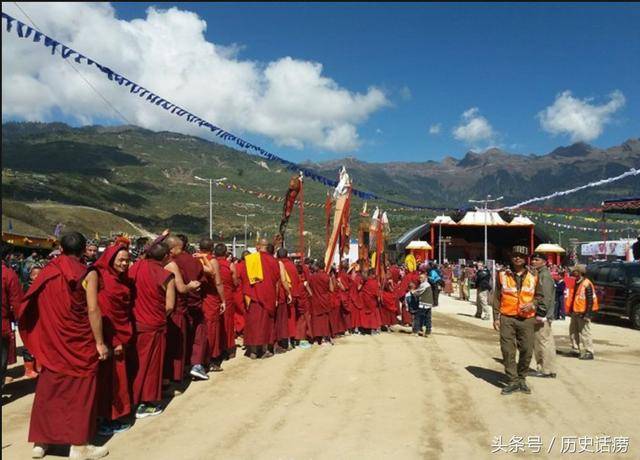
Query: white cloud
[435, 129]
[288, 100]
[474, 128]
[580, 119]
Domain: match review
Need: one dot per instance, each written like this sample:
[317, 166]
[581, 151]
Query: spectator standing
[483, 286]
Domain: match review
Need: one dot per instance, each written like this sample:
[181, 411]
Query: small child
[411, 300]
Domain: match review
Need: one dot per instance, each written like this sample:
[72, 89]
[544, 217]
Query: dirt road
[389, 396]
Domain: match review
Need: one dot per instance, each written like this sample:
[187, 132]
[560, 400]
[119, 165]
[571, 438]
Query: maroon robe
[150, 320]
[114, 299]
[394, 273]
[54, 326]
[355, 299]
[320, 303]
[211, 304]
[401, 291]
[11, 298]
[260, 301]
[303, 309]
[335, 317]
[282, 312]
[228, 320]
[390, 302]
[345, 301]
[369, 318]
[286, 312]
[186, 334]
[296, 292]
[239, 310]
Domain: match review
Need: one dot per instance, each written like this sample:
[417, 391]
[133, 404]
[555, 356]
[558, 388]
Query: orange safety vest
[511, 300]
[578, 304]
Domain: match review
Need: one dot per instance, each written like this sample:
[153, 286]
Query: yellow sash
[254, 267]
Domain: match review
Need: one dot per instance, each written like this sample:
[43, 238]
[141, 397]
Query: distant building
[462, 236]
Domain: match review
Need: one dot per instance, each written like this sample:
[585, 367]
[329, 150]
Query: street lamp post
[211, 181]
[560, 237]
[245, 227]
[485, 210]
[440, 244]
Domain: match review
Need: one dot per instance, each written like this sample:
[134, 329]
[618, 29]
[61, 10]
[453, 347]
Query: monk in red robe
[321, 286]
[289, 272]
[213, 305]
[335, 317]
[228, 286]
[11, 299]
[289, 297]
[303, 307]
[109, 286]
[390, 303]
[238, 303]
[268, 251]
[369, 318]
[153, 299]
[401, 291]
[395, 274]
[343, 284]
[355, 298]
[185, 328]
[260, 297]
[65, 336]
[285, 300]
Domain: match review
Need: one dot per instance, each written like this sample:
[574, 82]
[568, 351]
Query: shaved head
[174, 241]
[262, 245]
[175, 245]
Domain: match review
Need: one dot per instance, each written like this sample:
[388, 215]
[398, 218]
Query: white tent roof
[478, 218]
[493, 219]
[419, 245]
[549, 247]
[521, 220]
[443, 220]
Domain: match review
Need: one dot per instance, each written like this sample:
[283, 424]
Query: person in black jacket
[483, 286]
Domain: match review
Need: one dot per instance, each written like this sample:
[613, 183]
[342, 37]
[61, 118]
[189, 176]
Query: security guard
[581, 302]
[514, 316]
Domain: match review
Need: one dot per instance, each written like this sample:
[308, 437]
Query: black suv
[618, 288]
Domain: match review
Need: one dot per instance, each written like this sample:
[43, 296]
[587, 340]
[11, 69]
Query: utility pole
[245, 227]
[486, 213]
[211, 181]
[440, 244]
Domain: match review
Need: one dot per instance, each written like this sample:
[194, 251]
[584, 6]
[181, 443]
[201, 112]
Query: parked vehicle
[618, 288]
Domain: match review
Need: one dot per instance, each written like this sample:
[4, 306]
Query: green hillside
[149, 178]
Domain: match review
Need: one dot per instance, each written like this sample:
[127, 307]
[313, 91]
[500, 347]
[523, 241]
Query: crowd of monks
[114, 338]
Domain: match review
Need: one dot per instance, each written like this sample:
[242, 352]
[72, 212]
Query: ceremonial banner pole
[339, 219]
[327, 216]
[379, 249]
[342, 194]
[295, 186]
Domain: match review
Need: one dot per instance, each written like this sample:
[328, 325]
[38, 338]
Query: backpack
[434, 276]
[412, 303]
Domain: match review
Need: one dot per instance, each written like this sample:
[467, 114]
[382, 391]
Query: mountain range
[149, 178]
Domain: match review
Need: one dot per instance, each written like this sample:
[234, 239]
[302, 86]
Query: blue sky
[502, 65]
